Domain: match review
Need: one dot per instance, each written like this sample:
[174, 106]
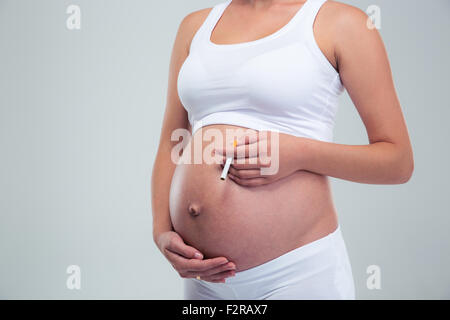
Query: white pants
[318, 270]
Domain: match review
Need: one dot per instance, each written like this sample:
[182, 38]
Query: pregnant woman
[271, 66]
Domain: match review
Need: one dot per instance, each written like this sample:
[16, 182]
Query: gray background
[80, 118]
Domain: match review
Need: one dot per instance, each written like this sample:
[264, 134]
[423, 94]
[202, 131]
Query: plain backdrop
[80, 116]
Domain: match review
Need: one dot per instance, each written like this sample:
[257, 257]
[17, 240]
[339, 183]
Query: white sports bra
[281, 82]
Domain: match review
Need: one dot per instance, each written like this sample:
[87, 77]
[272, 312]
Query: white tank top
[281, 82]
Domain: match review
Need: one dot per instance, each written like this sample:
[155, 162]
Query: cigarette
[226, 167]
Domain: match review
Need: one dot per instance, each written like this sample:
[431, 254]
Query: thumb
[193, 253]
[177, 245]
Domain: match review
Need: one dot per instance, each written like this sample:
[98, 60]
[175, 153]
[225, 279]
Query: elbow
[407, 174]
[406, 170]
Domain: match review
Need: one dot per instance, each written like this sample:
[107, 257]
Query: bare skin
[248, 225]
[358, 53]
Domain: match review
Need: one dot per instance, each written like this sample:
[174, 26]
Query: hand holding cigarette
[226, 167]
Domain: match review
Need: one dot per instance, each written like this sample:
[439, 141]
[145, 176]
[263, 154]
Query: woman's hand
[189, 262]
[261, 158]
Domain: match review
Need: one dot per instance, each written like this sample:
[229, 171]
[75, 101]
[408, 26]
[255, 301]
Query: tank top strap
[216, 14]
[304, 32]
[312, 8]
[205, 30]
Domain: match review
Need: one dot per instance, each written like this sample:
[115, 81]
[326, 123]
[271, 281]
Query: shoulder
[195, 18]
[348, 28]
[192, 22]
[188, 27]
[342, 14]
[343, 19]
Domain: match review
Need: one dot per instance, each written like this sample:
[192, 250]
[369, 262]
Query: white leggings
[318, 270]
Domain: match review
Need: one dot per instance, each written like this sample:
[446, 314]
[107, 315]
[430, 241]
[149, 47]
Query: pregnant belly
[249, 226]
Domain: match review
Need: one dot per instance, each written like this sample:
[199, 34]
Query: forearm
[376, 163]
[161, 179]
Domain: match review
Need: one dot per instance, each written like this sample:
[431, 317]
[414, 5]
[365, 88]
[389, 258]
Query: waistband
[288, 259]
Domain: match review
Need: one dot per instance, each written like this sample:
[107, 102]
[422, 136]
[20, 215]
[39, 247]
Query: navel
[194, 209]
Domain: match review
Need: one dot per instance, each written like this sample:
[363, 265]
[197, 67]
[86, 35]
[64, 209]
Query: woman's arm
[174, 117]
[366, 74]
[359, 54]
[188, 261]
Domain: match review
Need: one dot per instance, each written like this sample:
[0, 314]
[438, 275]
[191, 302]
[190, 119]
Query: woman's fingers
[248, 163]
[246, 151]
[249, 145]
[188, 264]
[246, 173]
[248, 138]
[239, 152]
[177, 245]
[184, 265]
[253, 182]
[212, 272]
[246, 147]
[219, 277]
[252, 163]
